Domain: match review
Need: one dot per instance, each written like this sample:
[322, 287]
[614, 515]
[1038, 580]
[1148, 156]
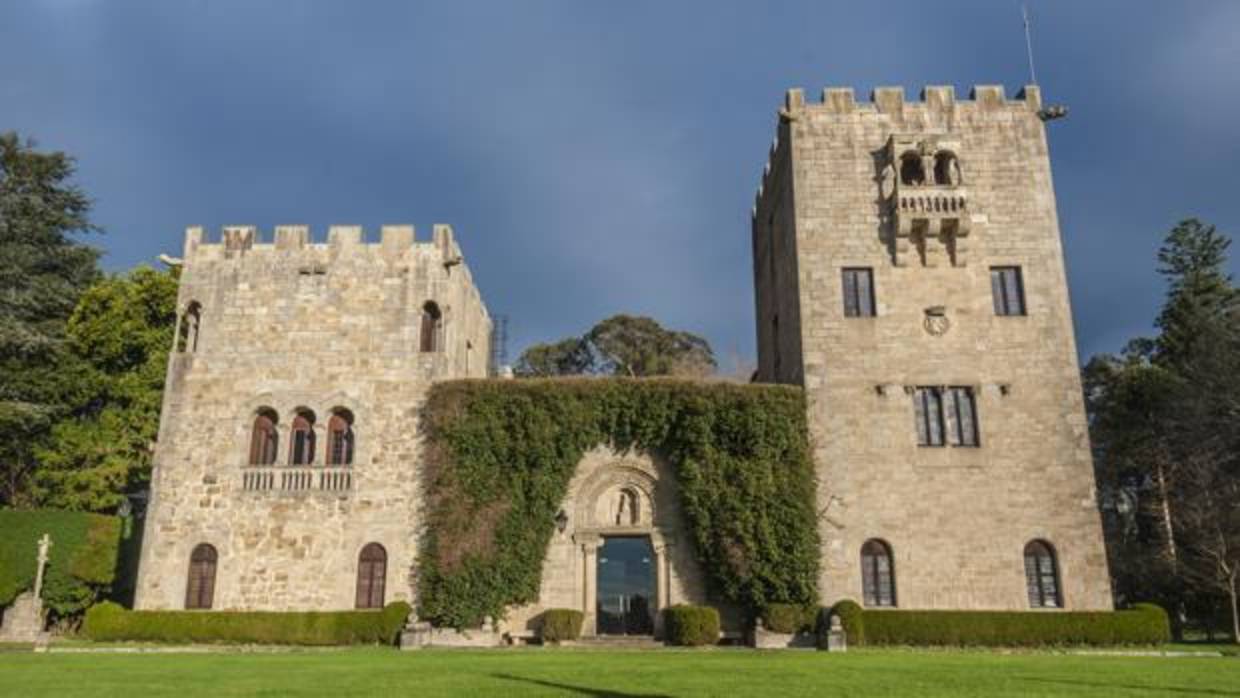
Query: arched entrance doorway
[626, 597]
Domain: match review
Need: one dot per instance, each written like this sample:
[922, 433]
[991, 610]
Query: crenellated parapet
[936, 110]
[244, 240]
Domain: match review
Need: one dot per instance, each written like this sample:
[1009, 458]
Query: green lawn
[635, 674]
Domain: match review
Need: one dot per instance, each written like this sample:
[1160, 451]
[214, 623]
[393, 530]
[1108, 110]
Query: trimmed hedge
[81, 562]
[1144, 624]
[500, 455]
[561, 624]
[789, 618]
[690, 626]
[109, 622]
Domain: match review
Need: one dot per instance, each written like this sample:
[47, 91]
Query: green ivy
[500, 455]
[81, 562]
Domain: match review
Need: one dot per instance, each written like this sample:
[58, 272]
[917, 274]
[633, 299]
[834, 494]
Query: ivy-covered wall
[500, 454]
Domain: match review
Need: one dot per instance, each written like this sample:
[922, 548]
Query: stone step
[620, 642]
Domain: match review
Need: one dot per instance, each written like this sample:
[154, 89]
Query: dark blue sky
[602, 157]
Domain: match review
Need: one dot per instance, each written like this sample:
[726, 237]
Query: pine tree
[43, 271]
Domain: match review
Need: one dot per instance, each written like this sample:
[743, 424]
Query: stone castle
[908, 274]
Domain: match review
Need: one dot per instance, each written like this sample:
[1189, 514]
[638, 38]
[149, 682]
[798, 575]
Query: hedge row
[690, 626]
[109, 622]
[81, 562]
[500, 455]
[1144, 624]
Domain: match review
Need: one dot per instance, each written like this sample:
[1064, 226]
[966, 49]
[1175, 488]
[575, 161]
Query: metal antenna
[1033, 75]
[1051, 111]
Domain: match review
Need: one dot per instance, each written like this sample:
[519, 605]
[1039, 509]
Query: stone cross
[44, 543]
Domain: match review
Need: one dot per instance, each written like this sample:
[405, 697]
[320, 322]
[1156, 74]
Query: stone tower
[909, 274]
[286, 465]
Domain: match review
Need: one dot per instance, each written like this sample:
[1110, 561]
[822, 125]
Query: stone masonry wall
[292, 325]
[956, 518]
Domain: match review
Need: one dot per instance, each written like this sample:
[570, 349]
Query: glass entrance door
[626, 586]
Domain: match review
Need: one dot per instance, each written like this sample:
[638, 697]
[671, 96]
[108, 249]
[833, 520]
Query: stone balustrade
[297, 479]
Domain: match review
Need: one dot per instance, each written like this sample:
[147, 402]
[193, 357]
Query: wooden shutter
[865, 292]
[919, 414]
[1012, 291]
[850, 293]
[996, 290]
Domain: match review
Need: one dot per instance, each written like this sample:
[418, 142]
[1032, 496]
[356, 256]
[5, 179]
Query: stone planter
[421, 634]
[764, 639]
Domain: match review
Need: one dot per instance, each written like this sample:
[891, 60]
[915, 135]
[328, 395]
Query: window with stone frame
[945, 416]
[1007, 289]
[200, 584]
[371, 576]
[340, 438]
[301, 439]
[878, 581]
[858, 292]
[431, 329]
[264, 443]
[191, 321]
[1042, 575]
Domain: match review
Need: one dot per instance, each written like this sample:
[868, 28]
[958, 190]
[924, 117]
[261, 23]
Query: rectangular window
[1007, 290]
[858, 292]
[945, 416]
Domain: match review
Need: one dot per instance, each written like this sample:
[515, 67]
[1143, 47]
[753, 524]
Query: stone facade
[836, 195]
[924, 197]
[292, 327]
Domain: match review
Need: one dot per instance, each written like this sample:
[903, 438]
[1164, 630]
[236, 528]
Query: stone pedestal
[23, 621]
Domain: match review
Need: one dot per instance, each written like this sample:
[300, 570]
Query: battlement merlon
[891, 100]
[394, 240]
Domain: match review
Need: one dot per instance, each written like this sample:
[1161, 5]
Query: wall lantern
[561, 521]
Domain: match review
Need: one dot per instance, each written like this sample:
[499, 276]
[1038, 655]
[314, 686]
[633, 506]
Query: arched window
[911, 170]
[340, 438]
[1041, 575]
[946, 168]
[878, 579]
[301, 439]
[200, 587]
[432, 325]
[190, 322]
[371, 576]
[263, 442]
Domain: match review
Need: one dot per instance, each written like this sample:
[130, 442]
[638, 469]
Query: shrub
[849, 614]
[1144, 624]
[500, 455]
[789, 618]
[691, 626]
[109, 622]
[561, 624]
[81, 562]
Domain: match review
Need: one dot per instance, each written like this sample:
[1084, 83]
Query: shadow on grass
[1153, 690]
[582, 690]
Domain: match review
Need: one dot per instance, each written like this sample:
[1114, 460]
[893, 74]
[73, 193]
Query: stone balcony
[312, 478]
[932, 204]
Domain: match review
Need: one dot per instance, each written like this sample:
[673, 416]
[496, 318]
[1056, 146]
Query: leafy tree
[122, 331]
[43, 271]
[566, 357]
[622, 345]
[625, 345]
